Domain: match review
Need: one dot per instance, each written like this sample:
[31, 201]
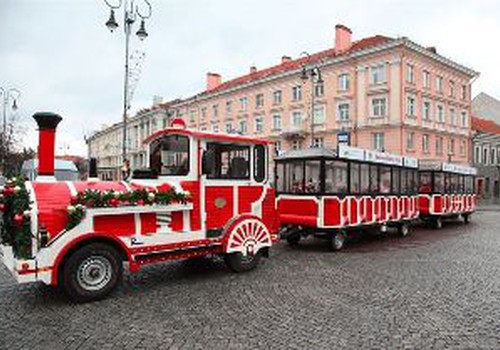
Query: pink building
[387, 94]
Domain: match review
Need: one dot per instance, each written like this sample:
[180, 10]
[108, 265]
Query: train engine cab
[328, 193]
[203, 194]
[446, 191]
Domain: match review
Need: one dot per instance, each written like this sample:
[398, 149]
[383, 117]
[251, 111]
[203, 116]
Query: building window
[464, 119]
[243, 104]
[297, 93]
[296, 144]
[343, 111]
[229, 106]
[215, 109]
[318, 142]
[259, 125]
[440, 114]
[204, 113]
[425, 143]
[426, 111]
[378, 107]
[477, 155]
[296, 118]
[319, 90]
[193, 116]
[439, 84]
[319, 115]
[410, 140]
[451, 147]
[259, 100]
[277, 148]
[229, 127]
[410, 106]
[439, 145]
[276, 122]
[463, 147]
[215, 128]
[378, 74]
[343, 82]
[452, 88]
[464, 92]
[410, 78]
[378, 141]
[243, 127]
[427, 79]
[453, 117]
[277, 97]
[493, 156]
[485, 156]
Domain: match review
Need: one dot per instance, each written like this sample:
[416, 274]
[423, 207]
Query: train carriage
[446, 190]
[202, 194]
[330, 193]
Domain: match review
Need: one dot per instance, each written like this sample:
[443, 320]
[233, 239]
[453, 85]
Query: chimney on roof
[213, 80]
[253, 69]
[432, 49]
[343, 37]
[285, 59]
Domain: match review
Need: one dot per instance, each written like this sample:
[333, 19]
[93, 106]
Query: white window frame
[322, 111]
[378, 74]
[259, 125]
[378, 141]
[276, 125]
[343, 81]
[300, 120]
[411, 102]
[379, 107]
[277, 97]
[297, 93]
[343, 114]
[426, 110]
[410, 73]
[426, 143]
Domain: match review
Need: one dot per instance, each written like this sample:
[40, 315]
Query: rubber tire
[466, 218]
[404, 230]
[70, 284]
[335, 247]
[293, 240]
[438, 223]
[236, 262]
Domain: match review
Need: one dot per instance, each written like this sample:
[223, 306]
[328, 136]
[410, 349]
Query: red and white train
[445, 190]
[203, 194]
[206, 194]
[330, 194]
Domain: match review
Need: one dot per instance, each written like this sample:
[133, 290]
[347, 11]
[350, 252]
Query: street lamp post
[311, 72]
[130, 14]
[8, 95]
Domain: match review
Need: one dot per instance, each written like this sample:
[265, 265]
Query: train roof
[434, 165]
[351, 153]
[208, 135]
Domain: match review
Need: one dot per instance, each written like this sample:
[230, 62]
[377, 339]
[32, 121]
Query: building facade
[486, 158]
[382, 93]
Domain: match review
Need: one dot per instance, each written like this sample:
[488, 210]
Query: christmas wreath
[90, 198]
[16, 223]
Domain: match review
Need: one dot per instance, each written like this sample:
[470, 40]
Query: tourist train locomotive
[210, 194]
[203, 194]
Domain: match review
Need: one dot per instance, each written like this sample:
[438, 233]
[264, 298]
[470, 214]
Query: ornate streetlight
[311, 71]
[130, 14]
[8, 95]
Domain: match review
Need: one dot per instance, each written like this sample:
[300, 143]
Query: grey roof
[486, 107]
[60, 164]
[308, 153]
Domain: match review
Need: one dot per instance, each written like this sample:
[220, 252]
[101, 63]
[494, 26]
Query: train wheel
[404, 230]
[337, 241]
[438, 223]
[466, 218]
[238, 262]
[92, 272]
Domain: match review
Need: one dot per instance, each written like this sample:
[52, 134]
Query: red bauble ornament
[18, 219]
[113, 202]
[74, 200]
[140, 202]
[2, 207]
[164, 187]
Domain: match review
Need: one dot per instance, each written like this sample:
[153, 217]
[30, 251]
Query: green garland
[16, 223]
[112, 199]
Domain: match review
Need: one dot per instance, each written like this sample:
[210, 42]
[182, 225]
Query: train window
[374, 188]
[229, 161]
[280, 177]
[469, 184]
[385, 179]
[354, 174]
[313, 168]
[294, 181]
[439, 182]
[335, 177]
[425, 182]
[396, 176]
[461, 184]
[170, 155]
[365, 178]
[453, 183]
[404, 181]
[412, 181]
[259, 163]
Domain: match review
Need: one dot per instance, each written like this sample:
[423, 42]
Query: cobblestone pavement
[433, 289]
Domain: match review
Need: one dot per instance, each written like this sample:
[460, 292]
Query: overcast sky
[63, 58]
